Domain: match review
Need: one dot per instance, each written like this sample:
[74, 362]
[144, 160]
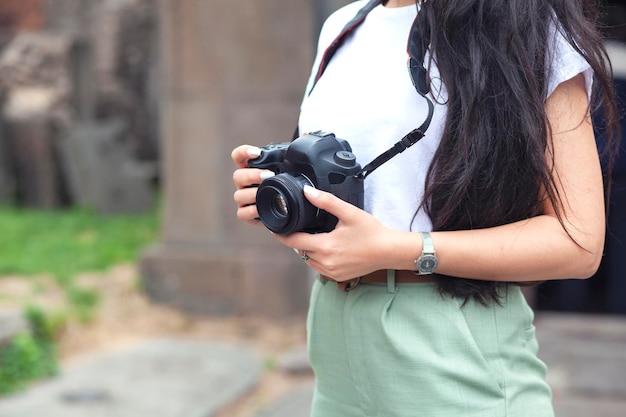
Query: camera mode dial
[345, 158]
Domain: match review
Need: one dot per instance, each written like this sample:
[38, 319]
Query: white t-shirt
[366, 97]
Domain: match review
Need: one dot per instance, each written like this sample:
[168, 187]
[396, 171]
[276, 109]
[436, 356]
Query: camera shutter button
[345, 158]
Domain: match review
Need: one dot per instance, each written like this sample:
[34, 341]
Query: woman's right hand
[247, 180]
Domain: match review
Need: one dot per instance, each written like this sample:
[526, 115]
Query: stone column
[233, 72]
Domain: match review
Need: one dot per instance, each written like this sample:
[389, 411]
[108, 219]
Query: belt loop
[391, 281]
[349, 285]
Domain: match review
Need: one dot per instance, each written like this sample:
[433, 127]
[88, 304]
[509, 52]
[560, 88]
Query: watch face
[427, 263]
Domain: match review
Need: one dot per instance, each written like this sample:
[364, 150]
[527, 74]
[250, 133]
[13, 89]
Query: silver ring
[304, 256]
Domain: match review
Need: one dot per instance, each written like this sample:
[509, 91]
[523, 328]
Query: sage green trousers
[404, 350]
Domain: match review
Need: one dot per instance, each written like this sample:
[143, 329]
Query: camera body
[318, 159]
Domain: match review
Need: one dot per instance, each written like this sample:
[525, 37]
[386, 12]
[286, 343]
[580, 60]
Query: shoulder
[334, 24]
[565, 60]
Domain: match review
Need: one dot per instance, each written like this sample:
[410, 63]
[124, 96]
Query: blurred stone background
[80, 108]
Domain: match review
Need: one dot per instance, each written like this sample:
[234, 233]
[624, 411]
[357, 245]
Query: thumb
[328, 202]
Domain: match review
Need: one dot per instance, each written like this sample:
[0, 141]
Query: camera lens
[281, 204]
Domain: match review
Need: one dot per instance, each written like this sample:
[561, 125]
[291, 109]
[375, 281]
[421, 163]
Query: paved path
[162, 378]
[586, 358]
[12, 322]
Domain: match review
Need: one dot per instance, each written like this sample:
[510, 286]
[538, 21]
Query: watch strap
[427, 243]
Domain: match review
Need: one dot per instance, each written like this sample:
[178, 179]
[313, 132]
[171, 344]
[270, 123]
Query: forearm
[539, 248]
[531, 250]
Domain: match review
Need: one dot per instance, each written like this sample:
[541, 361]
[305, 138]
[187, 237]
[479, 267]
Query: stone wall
[77, 103]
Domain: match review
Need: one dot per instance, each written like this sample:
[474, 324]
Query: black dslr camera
[318, 159]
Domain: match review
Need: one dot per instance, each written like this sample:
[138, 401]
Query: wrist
[427, 262]
[407, 248]
[402, 251]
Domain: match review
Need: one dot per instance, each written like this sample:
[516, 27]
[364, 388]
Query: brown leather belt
[380, 277]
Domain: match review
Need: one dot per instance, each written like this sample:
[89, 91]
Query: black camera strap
[416, 49]
[402, 145]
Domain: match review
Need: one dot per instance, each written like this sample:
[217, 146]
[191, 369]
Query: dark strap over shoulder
[336, 44]
[347, 30]
[416, 52]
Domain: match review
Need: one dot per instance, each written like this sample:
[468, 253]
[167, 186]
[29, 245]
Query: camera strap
[416, 49]
[339, 40]
[402, 145]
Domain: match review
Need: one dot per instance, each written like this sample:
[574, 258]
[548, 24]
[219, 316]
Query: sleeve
[565, 63]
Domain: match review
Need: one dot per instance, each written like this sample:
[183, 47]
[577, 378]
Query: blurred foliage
[67, 242]
[45, 326]
[84, 302]
[30, 356]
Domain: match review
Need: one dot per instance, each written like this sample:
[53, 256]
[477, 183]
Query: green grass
[65, 243]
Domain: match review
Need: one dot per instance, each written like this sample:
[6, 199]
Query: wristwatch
[427, 262]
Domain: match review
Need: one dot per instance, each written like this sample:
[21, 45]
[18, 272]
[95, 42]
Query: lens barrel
[281, 204]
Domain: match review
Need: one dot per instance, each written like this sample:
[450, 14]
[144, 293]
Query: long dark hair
[492, 165]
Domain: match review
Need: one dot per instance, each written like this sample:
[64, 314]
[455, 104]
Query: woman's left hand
[354, 248]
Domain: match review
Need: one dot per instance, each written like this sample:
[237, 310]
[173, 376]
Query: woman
[505, 188]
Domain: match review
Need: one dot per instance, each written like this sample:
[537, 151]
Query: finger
[248, 214]
[245, 196]
[304, 254]
[299, 241]
[301, 254]
[242, 154]
[246, 177]
[329, 202]
[254, 222]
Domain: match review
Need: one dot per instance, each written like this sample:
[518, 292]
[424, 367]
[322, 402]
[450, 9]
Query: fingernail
[313, 192]
[254, 151]
[266, 174]
[296, 251]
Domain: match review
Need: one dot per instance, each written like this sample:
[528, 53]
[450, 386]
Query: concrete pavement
[161, 378]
